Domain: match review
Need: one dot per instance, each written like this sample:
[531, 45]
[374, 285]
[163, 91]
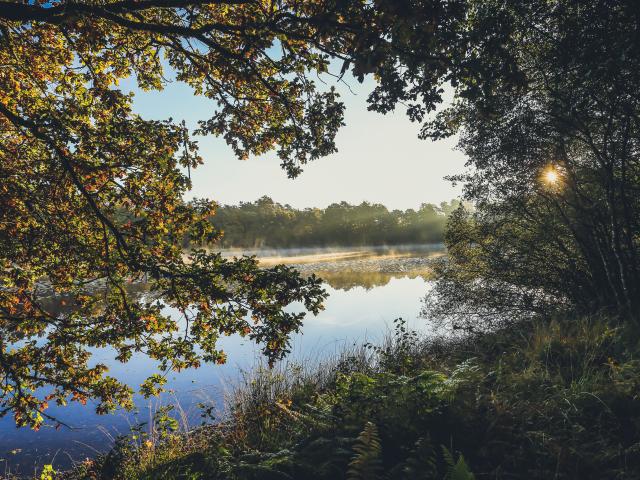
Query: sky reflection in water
[361, 307]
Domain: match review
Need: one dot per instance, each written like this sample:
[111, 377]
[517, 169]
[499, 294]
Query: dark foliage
[556, 164]
[551, 401]
[265, 223]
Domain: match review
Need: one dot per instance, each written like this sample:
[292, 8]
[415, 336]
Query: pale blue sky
[380, 158]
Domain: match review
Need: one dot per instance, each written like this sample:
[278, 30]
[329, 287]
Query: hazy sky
[380, 158]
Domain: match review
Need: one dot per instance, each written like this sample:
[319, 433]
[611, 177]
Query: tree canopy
[265, 223]
[91, 193]
[555, 169]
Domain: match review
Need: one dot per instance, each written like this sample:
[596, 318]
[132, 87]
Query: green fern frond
[448, 457]
[366, 463]
[456, 470]
[421, 463]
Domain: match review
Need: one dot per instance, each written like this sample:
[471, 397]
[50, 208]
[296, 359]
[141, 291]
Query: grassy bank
[544, 400]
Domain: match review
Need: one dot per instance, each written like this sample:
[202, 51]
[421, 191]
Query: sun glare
[551, 176]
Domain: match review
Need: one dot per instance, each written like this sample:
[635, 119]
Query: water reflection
[61, 305]
[363, 301]
[367, 280]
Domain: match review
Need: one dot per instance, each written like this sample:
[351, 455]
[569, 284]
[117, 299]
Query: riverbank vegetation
[265, 223]
[554, 399]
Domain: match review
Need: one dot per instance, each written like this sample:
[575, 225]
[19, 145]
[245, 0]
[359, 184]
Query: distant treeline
[265, 223]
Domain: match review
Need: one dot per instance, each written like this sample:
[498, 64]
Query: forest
[265, 223]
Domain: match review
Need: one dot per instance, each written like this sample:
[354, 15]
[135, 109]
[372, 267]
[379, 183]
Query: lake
[368, 288]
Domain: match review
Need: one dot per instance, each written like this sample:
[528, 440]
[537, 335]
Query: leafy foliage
[398, 353]
[366, 463]
[265, 223]
[456, 469]
[552, 142]
[420, 464]
[550, 400]
[91, 194]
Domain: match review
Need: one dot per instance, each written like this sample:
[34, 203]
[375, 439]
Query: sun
[551, 176]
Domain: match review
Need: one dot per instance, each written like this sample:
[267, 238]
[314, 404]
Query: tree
[546, 106]
[91, 194]
[265, 223]
[556, 171]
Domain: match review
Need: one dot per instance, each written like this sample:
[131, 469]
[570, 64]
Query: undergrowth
[553, 399]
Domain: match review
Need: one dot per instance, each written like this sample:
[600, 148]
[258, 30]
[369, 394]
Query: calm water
[365, 296]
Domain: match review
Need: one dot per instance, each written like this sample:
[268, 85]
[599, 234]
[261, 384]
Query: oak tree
[91, 194]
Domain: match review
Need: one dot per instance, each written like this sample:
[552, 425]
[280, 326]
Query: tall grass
[551, 399]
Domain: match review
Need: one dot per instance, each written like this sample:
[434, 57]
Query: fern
[366, 463]
[456, 470]
[421, 462]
